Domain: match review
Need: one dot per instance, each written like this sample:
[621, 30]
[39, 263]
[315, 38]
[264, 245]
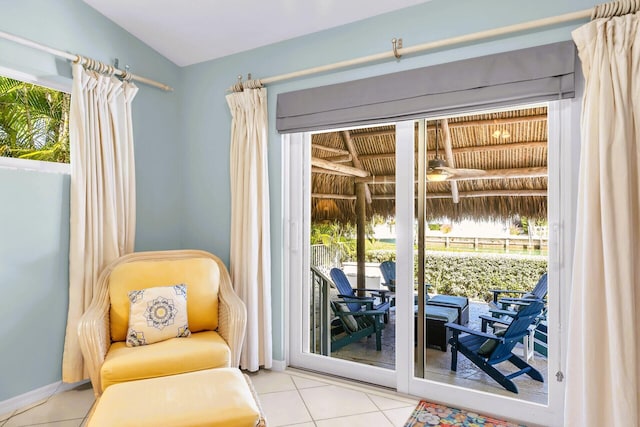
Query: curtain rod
[72, 57]
[397, 52]
[604, 10]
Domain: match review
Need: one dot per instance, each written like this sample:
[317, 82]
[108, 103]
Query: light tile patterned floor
[290, 398]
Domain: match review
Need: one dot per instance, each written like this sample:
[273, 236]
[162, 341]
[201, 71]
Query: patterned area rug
[431, 414]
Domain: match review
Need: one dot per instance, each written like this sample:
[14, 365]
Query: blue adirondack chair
[486, 350]
[353, 301]
[351, 326]
[539, 292]
[388, 270]
[502, 310]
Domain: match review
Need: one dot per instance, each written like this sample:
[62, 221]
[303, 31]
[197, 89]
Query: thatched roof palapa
[510, 146]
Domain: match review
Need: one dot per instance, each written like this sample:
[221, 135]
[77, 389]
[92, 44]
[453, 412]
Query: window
[34, 122]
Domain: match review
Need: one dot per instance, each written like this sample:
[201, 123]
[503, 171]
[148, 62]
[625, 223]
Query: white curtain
[103, 210]
[250, 263]
[603, 372]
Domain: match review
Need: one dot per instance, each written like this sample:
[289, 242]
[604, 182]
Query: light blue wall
[206, 117]
[34, 247]
[34, 206]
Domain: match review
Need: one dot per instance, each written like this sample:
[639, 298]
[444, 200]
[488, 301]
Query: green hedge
[380, 255]
[475, 275]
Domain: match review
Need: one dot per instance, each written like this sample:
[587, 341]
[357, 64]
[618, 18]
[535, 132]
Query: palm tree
[34, 122]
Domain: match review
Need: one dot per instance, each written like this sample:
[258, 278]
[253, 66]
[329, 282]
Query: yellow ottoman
[215, 397]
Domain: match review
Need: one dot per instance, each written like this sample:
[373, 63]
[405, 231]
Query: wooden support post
[361, 219]
[346, 136]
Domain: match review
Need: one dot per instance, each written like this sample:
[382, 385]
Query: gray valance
[540, 73]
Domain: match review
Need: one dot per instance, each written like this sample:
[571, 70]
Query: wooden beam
[343, 158]
[486, 193]
[485, 122]
[501, 147]
[329, 172]
[324, 164]
[361, 225]
[338, 151]
[356, 161]
[461, 150]
[537, 172]
[448, 155]
[333, 196]
[503, 121]
[370, 133]
[378, 179]
[492, 193]
[381, 156]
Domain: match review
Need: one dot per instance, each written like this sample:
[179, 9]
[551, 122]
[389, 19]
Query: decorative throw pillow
[157, 314]
[348, 320]
[490, 344]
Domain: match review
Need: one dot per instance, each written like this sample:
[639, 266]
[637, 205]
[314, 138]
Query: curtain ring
[397, 44]
[616, 8]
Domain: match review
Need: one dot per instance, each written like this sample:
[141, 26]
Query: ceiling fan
[438, 169]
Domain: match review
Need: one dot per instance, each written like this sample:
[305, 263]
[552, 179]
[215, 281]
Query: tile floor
[289, 398]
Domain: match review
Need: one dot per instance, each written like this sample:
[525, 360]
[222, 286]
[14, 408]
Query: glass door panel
[346, 306]
[481, 225]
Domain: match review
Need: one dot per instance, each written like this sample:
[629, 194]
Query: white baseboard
[278, 365]
[34, 396]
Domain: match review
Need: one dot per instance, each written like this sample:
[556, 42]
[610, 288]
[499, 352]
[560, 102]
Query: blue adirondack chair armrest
[519, 301]
[497, 292]
[373, 291]
[490, 320]
[494, 312]
[494, 319]
[383, 294]
[360, 313]
[457, 329]
[366, 302]
[355, 298]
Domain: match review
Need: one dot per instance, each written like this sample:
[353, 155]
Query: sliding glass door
[440, 249]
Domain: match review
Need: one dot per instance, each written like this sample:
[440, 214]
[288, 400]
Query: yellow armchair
[216, 315]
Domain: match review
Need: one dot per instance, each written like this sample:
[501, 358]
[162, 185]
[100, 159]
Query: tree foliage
[34, 122]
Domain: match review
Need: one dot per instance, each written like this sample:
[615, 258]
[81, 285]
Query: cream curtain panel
[250, 263]
[603, 372]
[103, 209]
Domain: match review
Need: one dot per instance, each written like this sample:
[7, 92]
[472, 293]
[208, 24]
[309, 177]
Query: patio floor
[438, 362]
